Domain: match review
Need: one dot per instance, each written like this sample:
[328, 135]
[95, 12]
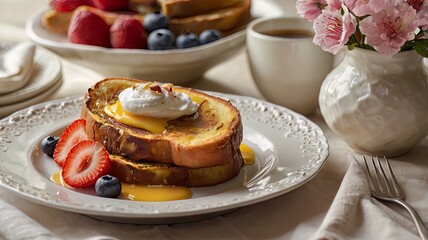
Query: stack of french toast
[194, 16]
[200, 149]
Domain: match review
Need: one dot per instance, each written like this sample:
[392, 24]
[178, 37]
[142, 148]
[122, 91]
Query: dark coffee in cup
[289, 33]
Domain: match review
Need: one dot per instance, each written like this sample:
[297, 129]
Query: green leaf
[421, 47]
[407, 46]
[423, 42]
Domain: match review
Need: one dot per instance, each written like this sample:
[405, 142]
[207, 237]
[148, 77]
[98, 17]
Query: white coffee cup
[287, 70]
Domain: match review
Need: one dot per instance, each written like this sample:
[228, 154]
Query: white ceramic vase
[377, 104]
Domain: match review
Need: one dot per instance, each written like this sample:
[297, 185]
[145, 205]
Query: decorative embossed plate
[290, 150]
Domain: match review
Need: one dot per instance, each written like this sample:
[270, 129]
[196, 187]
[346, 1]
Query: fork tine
[373, 187]
[394, 181]
[380, 180]
[385, 181]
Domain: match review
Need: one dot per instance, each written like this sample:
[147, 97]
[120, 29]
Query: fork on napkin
[354, 214]
[16, 66]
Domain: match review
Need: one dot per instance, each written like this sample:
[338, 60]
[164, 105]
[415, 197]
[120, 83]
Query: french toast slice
[210, 137]
[150, 173]
[225, 20]
[56, 22]
[187, 8]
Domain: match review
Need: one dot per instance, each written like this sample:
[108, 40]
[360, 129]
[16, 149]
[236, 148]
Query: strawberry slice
[87, 161]
[73, 134]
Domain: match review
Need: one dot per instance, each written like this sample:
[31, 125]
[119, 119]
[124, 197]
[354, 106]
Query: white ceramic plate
[177, 66]
[47, 71]
[290, 151]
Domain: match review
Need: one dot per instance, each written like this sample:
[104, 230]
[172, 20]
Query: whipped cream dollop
[155, 100]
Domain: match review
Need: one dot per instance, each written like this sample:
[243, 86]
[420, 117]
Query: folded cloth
[17, 226]
[16, 66]
[354, 214]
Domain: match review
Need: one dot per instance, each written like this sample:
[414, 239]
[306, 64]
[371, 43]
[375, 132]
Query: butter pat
[16, 66]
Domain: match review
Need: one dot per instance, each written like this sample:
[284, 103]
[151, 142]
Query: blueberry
[108, 186]
[186, 40]
[209, 35]
[160, 39]
[154, 21]
[49, 144]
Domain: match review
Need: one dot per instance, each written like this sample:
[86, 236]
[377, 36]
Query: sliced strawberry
[73, 134]
[87, 161]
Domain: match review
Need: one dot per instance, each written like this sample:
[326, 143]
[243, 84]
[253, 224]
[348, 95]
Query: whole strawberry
[68, 5]
[111, 5]
[88, 28]
[128, 32]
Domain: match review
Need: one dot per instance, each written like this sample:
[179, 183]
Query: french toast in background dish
[193, 150]
[226, 20]
[188, 8]
[185, 15]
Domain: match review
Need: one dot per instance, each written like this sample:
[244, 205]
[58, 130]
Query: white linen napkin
[354, 214]
[15, 225]
[16, 66]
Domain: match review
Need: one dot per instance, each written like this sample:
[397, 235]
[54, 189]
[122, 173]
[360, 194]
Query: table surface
[295, 215]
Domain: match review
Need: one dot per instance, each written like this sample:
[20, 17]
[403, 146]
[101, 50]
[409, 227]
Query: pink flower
[334, 4]
[310, 9]
[364, 7]
[421, 7]
[332, 30]
[388, 30]
[422, 18]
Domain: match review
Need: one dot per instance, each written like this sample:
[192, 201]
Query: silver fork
[384, 186]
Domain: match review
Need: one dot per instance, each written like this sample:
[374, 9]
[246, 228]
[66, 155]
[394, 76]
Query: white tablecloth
[295, 215]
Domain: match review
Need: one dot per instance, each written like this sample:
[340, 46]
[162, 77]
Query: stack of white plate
[45, 81]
